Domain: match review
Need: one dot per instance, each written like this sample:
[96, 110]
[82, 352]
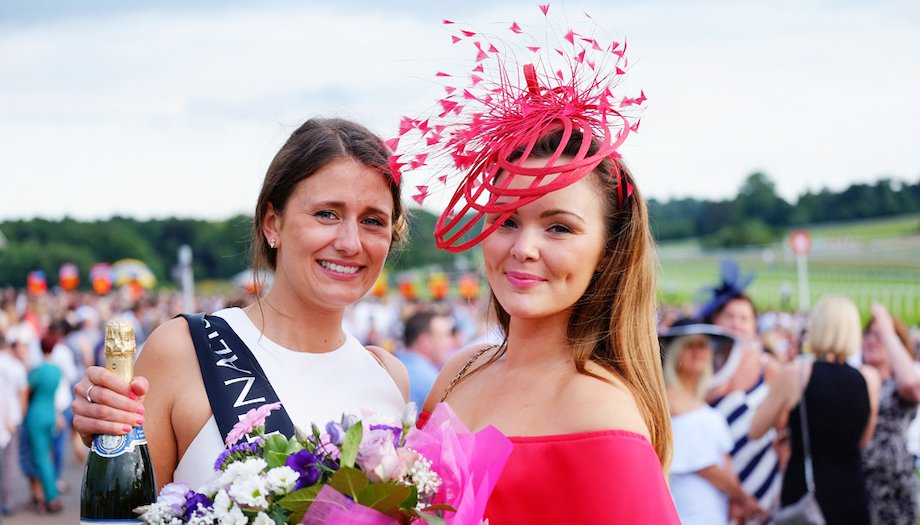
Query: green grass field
[868, 261]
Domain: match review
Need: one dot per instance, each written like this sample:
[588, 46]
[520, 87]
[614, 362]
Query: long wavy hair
[613, 323]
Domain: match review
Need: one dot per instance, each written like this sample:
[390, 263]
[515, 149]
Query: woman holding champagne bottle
[326, 218]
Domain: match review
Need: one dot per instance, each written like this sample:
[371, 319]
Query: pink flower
[377, 456]
[253, 418]
[327, 446]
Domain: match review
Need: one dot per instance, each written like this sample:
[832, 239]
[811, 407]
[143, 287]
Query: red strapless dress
[608, 477]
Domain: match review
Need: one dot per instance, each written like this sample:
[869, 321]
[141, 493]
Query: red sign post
[800, 242]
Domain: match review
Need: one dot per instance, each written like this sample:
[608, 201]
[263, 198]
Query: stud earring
[271, 243]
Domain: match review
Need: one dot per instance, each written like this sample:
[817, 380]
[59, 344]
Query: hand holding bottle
[118, 476]
[114, 406]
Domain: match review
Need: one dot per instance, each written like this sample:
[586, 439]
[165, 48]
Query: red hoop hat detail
[487, 122]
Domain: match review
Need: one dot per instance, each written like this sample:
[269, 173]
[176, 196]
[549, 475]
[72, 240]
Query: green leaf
[431, 519]
[412, 500]
[384, 497]
[294, 446]
[275, 459]
[349, 481]
[280, 515]
[349, 450]
[299, 501]
[275, 443]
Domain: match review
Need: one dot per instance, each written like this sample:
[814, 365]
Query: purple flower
[304, 463]
[239, 451]
[174, 495]
[192, 502]
[336, 432]
[219, 464]
[395, 430]
[377, 455]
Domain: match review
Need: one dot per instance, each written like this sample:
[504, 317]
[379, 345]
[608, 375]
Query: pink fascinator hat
[518, 90]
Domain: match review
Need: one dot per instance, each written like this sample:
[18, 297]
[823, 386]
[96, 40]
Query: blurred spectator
[42, 421]
[888, 465]
[14, 393]
[86, 335]
[372, 322]
[428, 340]
[702, 479]
[841, 404]
[755, 460]
[62, 357]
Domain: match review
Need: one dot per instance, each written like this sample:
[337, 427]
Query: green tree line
[757, 215]
[221, 249]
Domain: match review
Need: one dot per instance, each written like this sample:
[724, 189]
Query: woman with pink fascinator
[576, 381]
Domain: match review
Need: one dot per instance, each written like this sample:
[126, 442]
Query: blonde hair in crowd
[834, 328]
[672, 362]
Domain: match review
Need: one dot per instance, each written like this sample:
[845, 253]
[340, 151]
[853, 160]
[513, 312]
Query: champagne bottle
[118, 476]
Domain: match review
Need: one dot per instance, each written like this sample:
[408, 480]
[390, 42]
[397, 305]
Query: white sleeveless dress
[315, 388]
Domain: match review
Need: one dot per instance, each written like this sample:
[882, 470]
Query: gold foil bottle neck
[119, 339]
[120, 348]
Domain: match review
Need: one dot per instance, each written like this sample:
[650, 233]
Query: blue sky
[175, 108]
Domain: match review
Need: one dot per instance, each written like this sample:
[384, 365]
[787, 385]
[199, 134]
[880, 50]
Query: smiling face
[333, 236]
[540, 260]
[738, 317]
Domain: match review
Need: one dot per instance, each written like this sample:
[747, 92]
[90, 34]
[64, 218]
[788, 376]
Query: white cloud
[183, 110]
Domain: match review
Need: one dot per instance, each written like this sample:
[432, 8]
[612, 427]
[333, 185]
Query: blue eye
[326, 214]
[374, 221]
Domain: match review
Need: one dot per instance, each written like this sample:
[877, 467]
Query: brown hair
[316, 143]
[613, 323]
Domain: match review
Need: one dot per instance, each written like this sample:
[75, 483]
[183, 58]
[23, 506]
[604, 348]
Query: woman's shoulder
[600, 402]
[170, 343]
[394, 367]
[872, 378]
[470, 358]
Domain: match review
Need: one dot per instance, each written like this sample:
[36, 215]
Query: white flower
[250, 491]
[251, 467]
[373, 418]
[281, 480]
[419, 473]
[226, 511]
[409, 414]
[263, 519]
[222, 503]
[157, 513]
[204, 518]
[213, 485]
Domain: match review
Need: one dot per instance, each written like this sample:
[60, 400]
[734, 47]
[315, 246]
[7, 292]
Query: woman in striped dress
[755, 460]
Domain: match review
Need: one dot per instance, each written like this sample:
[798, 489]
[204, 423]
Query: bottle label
[113, 446]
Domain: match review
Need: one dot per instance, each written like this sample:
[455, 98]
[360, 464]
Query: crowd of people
[830, 412]
[862, 388]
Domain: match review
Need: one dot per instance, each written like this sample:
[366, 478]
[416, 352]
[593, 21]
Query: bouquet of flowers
[361, 471]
